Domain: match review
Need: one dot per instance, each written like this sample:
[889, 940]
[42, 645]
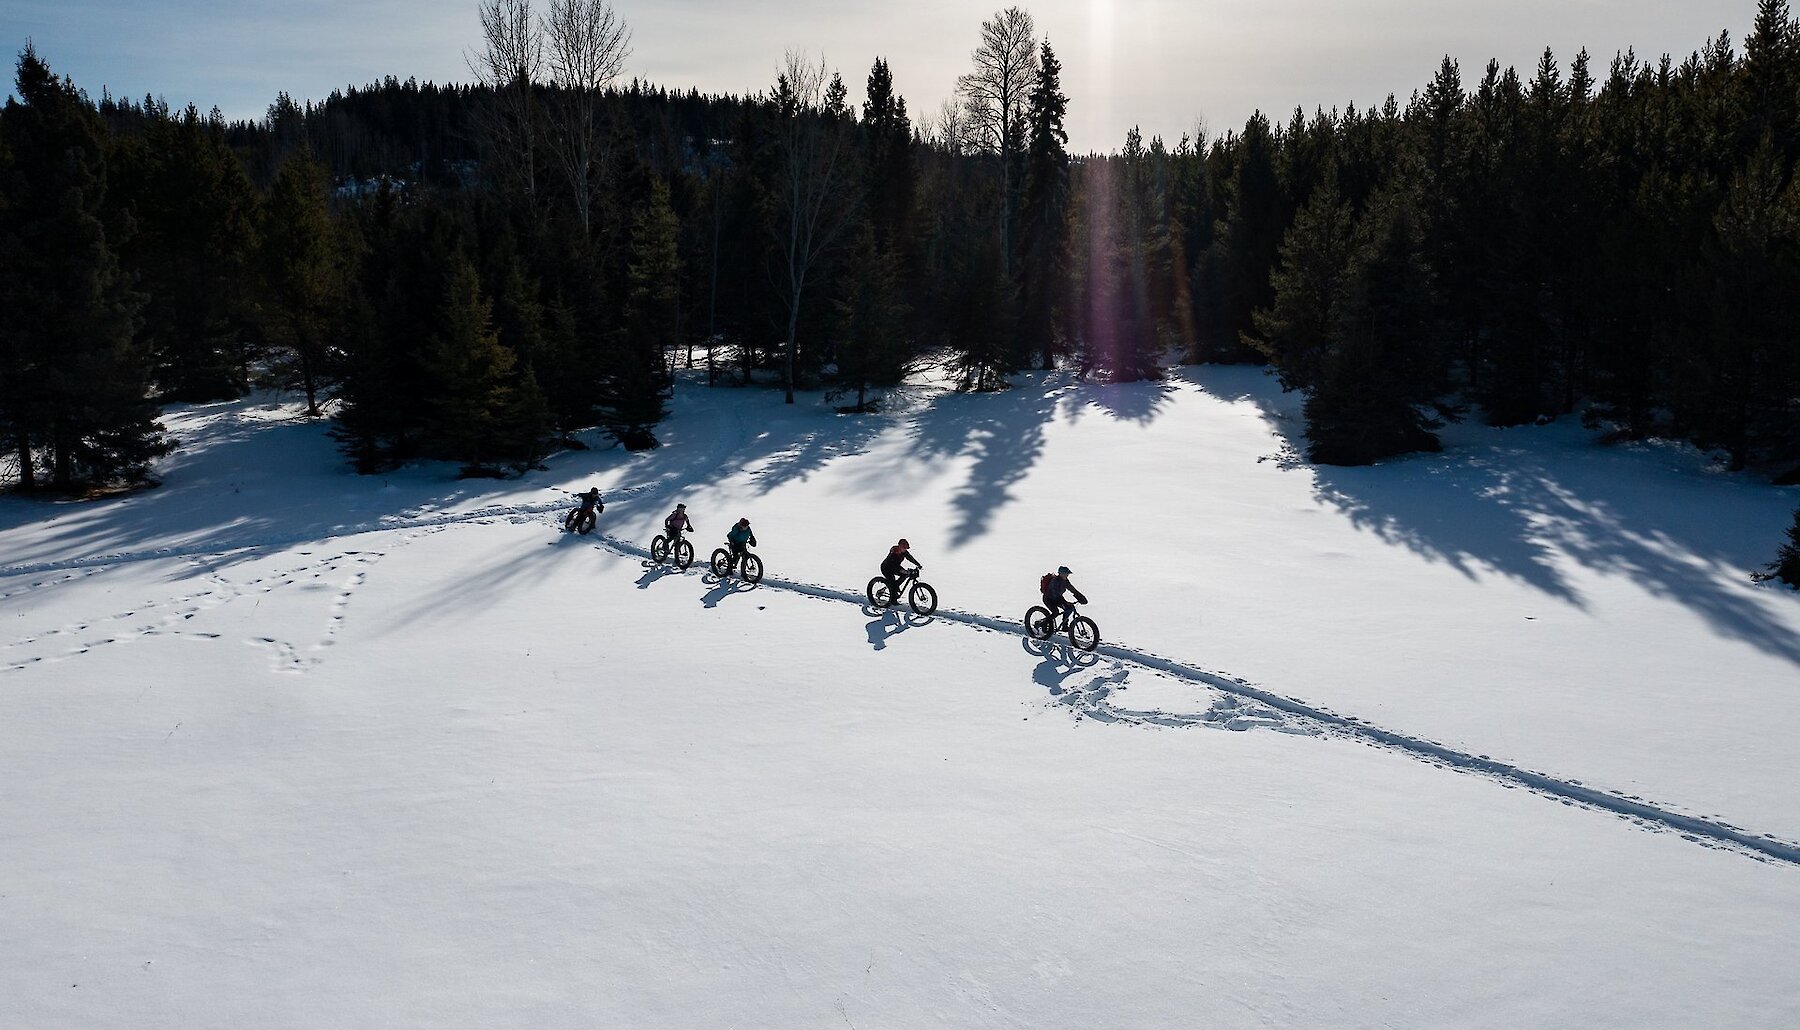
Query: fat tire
[684, 554]
[877, 592]
[751, 567]
[584, 524]
[1084, 633]
[659, 549]
[721, 561]
[922, 599]
[1037, 617]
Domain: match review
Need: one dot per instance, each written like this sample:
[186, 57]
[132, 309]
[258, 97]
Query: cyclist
[741, 539]
[591, 505]
[1054, 586]
[893, 567]
[675, 523]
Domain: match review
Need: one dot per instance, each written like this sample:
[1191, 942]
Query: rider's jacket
[891, 565]
[1060, 585]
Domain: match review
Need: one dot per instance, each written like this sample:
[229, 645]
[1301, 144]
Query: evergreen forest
[476, 272]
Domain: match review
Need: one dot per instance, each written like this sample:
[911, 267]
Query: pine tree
[1140, 255]
[481, 411]
[1296, 332]
[639, 379]
[302, 261]
[192, 253]
[887, 157]
[1365, 404]
[73, 380]
[1245, 248]
[1769, 93]
[1044, 214]
[872, 322]
[1786, 566]
[385, 392]
[1738, 386]
[980, 316]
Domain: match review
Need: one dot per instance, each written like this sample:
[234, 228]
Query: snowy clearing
[297, 748]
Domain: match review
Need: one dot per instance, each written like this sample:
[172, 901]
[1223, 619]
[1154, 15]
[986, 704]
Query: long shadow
[654, 571]
[888, 623]
[778, 462]
[1527, 503]
[1003, 432]
[722, 588]
[230, 487]
[468, 594]
[1139, 402]
[1057, 663]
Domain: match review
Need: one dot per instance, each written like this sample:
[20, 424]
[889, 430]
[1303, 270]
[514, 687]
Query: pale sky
[1164, 65]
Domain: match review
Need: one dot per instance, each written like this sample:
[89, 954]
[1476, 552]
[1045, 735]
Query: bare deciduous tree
[814, 189]
[949, 131]
[588, 44]
[995, 96]
[510, 63]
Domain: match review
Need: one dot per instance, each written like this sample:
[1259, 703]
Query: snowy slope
[292, 748]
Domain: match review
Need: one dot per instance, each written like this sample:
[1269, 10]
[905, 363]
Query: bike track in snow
[1708, 832]
[1570, 791]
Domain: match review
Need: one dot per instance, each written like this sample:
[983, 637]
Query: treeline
[1621, 244]
[476, 272]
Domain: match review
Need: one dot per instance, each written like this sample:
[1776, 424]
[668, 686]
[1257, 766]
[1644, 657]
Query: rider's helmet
[904, 544]
[681, 507]
[1062, 570]
[743, 522]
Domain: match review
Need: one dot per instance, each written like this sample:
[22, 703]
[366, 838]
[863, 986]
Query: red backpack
[1044, 583]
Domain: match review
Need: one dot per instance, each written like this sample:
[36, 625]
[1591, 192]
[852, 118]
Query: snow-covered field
[286, 747]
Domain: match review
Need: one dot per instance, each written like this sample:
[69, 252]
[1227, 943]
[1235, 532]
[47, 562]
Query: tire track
[1707, 832]
[1694, 828]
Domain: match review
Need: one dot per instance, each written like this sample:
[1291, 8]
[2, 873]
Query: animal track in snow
[175, 616]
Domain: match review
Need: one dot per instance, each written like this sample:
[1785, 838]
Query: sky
[1166, 66]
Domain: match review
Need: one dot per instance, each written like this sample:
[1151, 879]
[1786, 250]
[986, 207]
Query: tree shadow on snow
[1003, 434]
[1139, 402]
[248, 477]
[1526, 502]
[478, 588]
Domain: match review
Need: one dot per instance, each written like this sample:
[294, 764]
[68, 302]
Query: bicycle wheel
[752, 569]
[1037, 622]
[659, 549]
[584, 524]
[721, 561]
[1084, 633]
[684, 554]
[922, 598]
[877, 592]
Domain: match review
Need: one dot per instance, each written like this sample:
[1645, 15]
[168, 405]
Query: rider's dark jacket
[891, 566]
[1059, 585]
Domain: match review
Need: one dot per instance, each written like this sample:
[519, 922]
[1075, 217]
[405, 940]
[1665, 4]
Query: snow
[294, 748]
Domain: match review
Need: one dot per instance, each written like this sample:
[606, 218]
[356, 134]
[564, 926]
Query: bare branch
[509, 64]
[588, 44]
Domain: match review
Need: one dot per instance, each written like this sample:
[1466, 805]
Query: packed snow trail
[1691, 827]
